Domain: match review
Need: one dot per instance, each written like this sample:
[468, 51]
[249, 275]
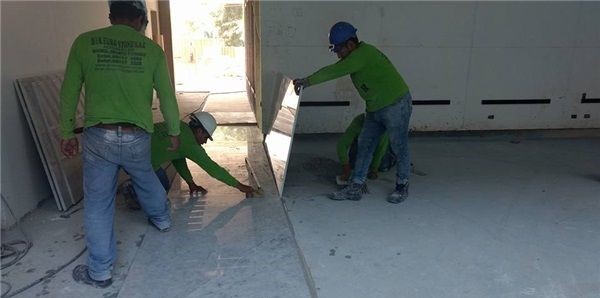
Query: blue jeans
[163, 178]
[161, 174]
[394, 119]
[387, 161]
[104, 153]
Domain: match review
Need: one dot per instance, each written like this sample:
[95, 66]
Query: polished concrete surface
[488, 216]
[220, 245]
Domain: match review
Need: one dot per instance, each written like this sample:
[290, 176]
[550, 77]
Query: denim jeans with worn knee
[105, 151]
[394, 119]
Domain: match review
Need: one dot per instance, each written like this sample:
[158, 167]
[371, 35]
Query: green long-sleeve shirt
[188, 148]
[374, 76]
[119, 68]
[351, 133]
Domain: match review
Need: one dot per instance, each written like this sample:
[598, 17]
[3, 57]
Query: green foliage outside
[229, 21]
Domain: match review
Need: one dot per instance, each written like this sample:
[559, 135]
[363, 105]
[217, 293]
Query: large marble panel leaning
[278, 142]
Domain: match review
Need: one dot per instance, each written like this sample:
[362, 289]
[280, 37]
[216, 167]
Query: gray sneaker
[399, 195]
[81, 275]
[351, 192]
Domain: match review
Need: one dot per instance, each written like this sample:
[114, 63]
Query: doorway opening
[209, 59]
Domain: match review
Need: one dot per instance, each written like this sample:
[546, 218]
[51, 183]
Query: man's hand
[299, 84]
[246, 189]
[346, 171]
[174, 143]
[69, 147]
[196, 189]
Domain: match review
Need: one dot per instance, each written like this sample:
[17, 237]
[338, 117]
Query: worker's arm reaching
[247, 189]
[198, 155]
[191, 149]
[182, 169]
[342, 67]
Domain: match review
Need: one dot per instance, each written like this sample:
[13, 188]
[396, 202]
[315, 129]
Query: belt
[116, 126]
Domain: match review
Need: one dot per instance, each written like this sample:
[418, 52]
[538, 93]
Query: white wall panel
[305, 23]
[526, 24]
[508, 117]
[434, 74]
[461, 51]
[588, 21]
[517, 73]
[585, 78]
[441, 24]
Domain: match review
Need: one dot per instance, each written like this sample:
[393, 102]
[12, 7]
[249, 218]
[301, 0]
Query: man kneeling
[198, 130]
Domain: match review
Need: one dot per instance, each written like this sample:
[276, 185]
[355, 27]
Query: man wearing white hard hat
[193, 135]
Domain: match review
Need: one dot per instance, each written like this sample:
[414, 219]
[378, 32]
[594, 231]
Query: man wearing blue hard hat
[388, 106]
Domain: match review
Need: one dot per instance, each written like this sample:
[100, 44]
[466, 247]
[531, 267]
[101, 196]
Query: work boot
[399, 195]
[352, 192]
[81, 275]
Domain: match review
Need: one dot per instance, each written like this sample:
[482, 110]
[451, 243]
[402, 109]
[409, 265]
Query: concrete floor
[492, 216]
[230, 108]
[220, 245]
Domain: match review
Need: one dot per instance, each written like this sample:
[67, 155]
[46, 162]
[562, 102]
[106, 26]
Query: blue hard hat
[341, 32]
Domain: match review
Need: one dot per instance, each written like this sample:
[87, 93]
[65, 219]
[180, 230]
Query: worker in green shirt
[382, 161]
[120, 68]
[193, 135]
[388, 106]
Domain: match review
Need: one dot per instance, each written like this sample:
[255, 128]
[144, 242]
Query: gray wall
[36, 37]
[464, 52]
[459, 51]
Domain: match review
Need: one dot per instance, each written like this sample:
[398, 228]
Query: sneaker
[351, 192]
[399, 195]
[161, 230]
[81, 275]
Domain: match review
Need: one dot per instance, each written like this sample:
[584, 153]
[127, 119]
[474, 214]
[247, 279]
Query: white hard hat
[205, 121]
